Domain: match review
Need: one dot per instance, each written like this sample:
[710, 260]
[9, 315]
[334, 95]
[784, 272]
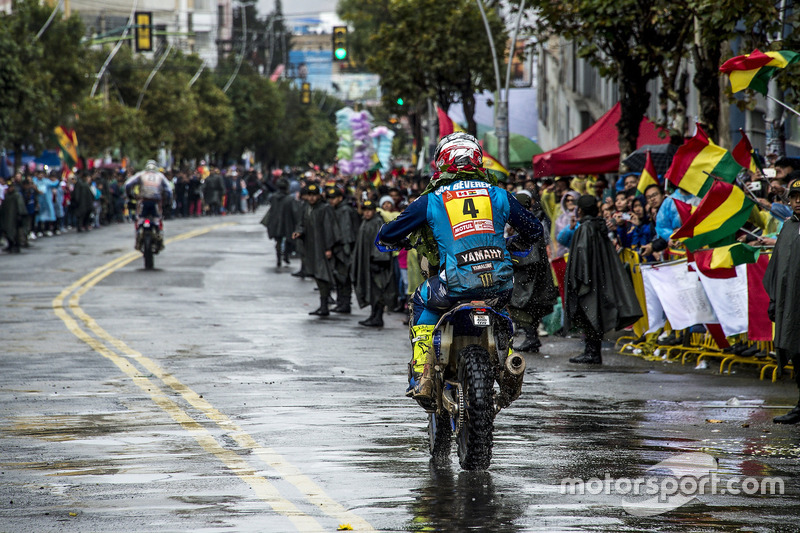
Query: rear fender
[456, 323]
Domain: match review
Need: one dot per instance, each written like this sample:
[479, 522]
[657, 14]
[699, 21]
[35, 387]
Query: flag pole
[657, 264]
[796, 112]
[751, 233]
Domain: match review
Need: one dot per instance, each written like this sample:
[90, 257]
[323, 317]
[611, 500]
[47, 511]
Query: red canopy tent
[594, 151]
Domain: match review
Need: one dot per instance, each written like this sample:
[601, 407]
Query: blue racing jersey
[468, 218]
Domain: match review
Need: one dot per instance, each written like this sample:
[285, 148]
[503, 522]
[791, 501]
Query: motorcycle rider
[153, 187]
[459, 218]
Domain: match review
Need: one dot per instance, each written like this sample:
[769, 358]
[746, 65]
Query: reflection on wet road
[202, 397]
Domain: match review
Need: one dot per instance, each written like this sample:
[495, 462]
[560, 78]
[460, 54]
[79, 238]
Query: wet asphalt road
[202, 397]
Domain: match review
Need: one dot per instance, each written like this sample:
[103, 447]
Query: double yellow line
[115, 350]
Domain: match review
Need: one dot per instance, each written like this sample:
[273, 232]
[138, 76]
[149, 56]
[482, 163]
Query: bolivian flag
[743, 154]
[374, 175]
[649, 176]
[697, 157]
[446, 124]
[493, 165]
[684, 210]
[753, 71]
[68, 142]
[721, 213]
[720, 263]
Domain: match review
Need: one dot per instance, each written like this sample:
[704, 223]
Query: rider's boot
[138, 244]
[420, 384]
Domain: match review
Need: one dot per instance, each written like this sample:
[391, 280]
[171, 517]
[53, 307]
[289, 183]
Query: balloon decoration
[344, 151]
[355, 144]
[382, 143]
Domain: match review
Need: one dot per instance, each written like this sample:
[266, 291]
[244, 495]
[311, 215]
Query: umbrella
[661, 154]
[520, 149]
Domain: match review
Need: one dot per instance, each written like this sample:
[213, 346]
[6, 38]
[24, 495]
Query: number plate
[481, 321]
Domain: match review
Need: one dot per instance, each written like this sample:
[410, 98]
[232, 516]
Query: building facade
[571, 96]
[193, 26]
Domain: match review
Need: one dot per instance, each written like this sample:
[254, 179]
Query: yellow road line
[263, 488]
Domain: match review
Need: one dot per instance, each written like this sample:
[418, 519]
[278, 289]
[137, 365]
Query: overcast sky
[298, 7]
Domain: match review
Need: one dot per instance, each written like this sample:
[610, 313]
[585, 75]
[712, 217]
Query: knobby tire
[476, 377]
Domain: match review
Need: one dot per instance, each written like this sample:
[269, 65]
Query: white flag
[728, 297]
[682, 296]
[655, 313]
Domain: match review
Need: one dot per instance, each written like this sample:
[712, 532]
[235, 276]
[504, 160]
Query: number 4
[469, 208]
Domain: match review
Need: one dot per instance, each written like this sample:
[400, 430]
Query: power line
[244, 48]
[49, 20]
[114, 51]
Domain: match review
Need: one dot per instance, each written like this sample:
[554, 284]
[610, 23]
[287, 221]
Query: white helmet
[459, 149]
[151, 166]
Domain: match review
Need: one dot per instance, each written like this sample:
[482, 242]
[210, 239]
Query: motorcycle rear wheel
[475, 437]
[147, 250]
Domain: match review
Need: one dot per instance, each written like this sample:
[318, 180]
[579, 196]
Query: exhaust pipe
[510, 381]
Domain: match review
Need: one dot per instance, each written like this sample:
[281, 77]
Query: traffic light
[340, 43]
[400, 101]
[305, 93]
[143, 34]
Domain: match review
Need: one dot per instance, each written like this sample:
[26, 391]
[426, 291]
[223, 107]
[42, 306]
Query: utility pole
[501, 107]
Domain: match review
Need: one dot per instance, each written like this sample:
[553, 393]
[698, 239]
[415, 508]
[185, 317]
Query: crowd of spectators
[42, 203]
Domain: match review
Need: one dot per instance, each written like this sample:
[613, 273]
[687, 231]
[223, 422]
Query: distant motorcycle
[149, 239]
[471, 352]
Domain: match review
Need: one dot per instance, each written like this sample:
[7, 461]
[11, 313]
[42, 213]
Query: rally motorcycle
[470, 353]
[149, 239]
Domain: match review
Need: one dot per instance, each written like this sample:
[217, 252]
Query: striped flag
[721, 262]
[721, 213]
[759, 325]
[649, 176]
[68, 142]
[753, 71]
[684, 210]
[697, 157]
[493, 165]
[375, 178]
[446, 124]
[743, 154]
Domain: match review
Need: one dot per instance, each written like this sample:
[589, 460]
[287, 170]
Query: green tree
[43, 77]
[14, 87]
[790, 81]
[258, 115]
[104, 126]
[628, 41]
[717, 23]
[206, 113]
[309, 134]
[425, 49]
[214, 118]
